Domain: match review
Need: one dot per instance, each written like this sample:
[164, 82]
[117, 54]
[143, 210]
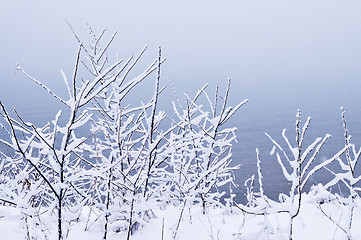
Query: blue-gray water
[272, 107]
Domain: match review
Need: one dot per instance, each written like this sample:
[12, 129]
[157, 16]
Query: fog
[305, 53]
[282, 55]
[259, 41]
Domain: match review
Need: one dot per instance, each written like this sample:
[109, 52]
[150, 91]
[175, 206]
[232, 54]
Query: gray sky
[277, 50]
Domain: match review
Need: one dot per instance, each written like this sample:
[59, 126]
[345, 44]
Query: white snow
[218, 223]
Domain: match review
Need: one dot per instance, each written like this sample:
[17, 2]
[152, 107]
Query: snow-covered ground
[219, 223]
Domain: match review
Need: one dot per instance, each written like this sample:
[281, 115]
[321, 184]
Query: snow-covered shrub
[124, 149]
[297, 168]
[348, 177]
[199, 151]
[114, 159]
[54, 157]
[20, 188]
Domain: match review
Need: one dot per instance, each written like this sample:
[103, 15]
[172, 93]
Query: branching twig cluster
[127, 163]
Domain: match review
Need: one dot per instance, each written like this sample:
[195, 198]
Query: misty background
[282, 55]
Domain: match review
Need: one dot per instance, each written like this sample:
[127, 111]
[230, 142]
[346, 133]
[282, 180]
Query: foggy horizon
[281, 55]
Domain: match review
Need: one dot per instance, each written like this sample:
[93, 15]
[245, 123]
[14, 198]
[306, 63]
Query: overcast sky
[269, 48]
[281, 54]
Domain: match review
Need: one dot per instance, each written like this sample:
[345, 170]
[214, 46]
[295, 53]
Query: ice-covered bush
[114, 158]
[199, 151]
[348, 177]
[297, 168]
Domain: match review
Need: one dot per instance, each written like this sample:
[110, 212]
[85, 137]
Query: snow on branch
[42, 85]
